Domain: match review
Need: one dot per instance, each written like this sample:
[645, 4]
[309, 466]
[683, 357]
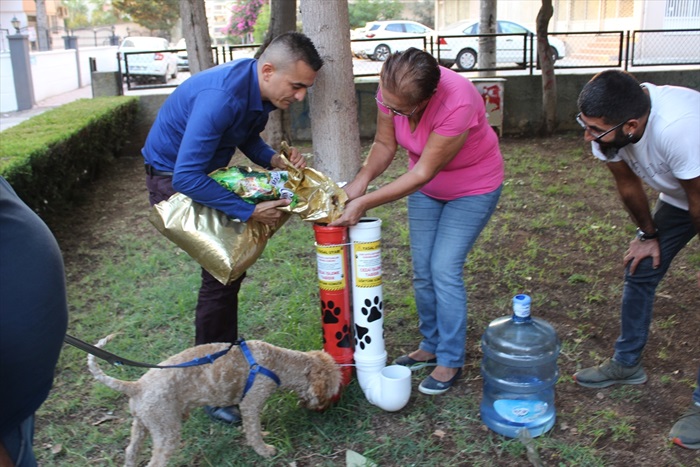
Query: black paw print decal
[344, 338]
[361, 337]
[330, 312]
[372, 309]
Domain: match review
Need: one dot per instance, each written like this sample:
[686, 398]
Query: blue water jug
[520, 370]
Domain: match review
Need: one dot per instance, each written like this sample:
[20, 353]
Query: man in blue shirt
[198, 129]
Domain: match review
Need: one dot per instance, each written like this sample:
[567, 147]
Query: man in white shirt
[649, 135]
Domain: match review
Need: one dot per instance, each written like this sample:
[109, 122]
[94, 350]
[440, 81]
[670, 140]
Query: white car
[159, 63]
[456, 47]
[382, 38]
[183, 64]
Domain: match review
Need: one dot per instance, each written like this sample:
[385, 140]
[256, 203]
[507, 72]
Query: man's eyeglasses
[396, 112]
[597, 136]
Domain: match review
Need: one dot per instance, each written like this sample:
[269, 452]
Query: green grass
[550, 238]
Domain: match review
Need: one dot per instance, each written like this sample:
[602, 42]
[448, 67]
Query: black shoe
[432, 387]
[229, 415]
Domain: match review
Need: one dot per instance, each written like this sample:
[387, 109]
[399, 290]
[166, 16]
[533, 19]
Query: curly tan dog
[161, 398]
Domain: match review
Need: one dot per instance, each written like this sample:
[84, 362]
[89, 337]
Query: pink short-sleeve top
[455, 107]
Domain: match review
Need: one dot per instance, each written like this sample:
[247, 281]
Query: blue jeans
[675, 231]
[442, 234]
[18, 443]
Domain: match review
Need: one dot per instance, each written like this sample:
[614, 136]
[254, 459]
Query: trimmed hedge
[46, 157]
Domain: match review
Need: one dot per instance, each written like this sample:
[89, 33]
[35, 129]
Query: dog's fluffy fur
[161, 398]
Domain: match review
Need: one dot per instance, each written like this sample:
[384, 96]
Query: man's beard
[611, 148]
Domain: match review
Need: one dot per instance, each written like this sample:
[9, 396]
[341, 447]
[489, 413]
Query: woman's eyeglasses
[396, 112]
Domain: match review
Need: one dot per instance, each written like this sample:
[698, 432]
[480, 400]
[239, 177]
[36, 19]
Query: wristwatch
[642, 235]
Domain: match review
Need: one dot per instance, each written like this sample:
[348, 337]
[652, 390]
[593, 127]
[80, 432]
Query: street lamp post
[15, 24]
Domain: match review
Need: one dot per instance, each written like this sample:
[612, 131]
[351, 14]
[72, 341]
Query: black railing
[663, 47]
[599, 49]
[144, 78]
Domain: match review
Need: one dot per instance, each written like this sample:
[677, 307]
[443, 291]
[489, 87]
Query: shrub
[46, 157]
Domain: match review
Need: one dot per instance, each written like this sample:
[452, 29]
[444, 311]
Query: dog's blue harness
[254, 368]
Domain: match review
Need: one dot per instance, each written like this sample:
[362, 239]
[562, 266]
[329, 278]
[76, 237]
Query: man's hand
[266, 212]
[639, 250]
[295, 157]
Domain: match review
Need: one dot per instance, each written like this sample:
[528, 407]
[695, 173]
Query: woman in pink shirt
[453, 185]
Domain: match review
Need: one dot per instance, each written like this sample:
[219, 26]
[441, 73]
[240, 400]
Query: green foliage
[90, 13]
[424, 12]
[363, 11]
[154, 15]
[262, 24]
[45, 157]
[77, 14]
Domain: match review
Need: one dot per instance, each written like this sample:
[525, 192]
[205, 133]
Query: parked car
[181, 52]
[357, 33]
[462, 50]
[148, 58]
[388, 37]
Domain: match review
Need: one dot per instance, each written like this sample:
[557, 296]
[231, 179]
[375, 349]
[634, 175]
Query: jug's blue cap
[521, 305]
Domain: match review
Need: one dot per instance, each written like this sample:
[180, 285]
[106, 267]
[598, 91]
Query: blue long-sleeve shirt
[201, 124]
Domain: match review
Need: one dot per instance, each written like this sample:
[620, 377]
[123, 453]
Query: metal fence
[600, 49]
[136, 80]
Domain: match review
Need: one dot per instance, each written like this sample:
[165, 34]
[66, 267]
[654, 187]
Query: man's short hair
[291, 47]
[614, 96]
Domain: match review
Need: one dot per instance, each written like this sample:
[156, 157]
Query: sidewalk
[11, 119]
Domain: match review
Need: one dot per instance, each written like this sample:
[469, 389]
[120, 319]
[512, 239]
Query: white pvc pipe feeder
[387, 387]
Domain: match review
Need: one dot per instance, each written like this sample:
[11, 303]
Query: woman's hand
[355, 189]
[354, 211]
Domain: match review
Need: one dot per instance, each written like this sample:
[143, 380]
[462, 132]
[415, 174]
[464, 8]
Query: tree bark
[332, 101]
[42, 26]
[195, 29]
[549, 82]
[282, 19]
[487, 45]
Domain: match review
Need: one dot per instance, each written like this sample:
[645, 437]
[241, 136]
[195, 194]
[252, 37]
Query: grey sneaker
[610, 372]
[686, 431]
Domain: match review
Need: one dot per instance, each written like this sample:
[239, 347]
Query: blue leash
[116, 360]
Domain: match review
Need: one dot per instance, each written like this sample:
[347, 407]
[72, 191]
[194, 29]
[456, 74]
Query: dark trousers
[216, 315]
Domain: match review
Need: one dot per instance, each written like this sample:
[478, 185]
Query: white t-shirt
[670, 148]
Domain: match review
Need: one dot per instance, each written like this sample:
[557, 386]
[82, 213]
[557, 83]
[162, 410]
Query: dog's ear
[324, 377]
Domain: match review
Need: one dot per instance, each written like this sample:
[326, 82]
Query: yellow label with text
[329, 263]
[368, 264]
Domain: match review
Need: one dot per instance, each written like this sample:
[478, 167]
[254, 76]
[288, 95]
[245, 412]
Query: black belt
[151, 171]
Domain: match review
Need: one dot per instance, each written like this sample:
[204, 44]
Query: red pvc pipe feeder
[334, 289]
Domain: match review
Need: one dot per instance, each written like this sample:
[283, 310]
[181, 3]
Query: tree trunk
[282, 19]
[42, 26]
[487, 45]
[196, 32]
[549, 82]
[333, 105]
